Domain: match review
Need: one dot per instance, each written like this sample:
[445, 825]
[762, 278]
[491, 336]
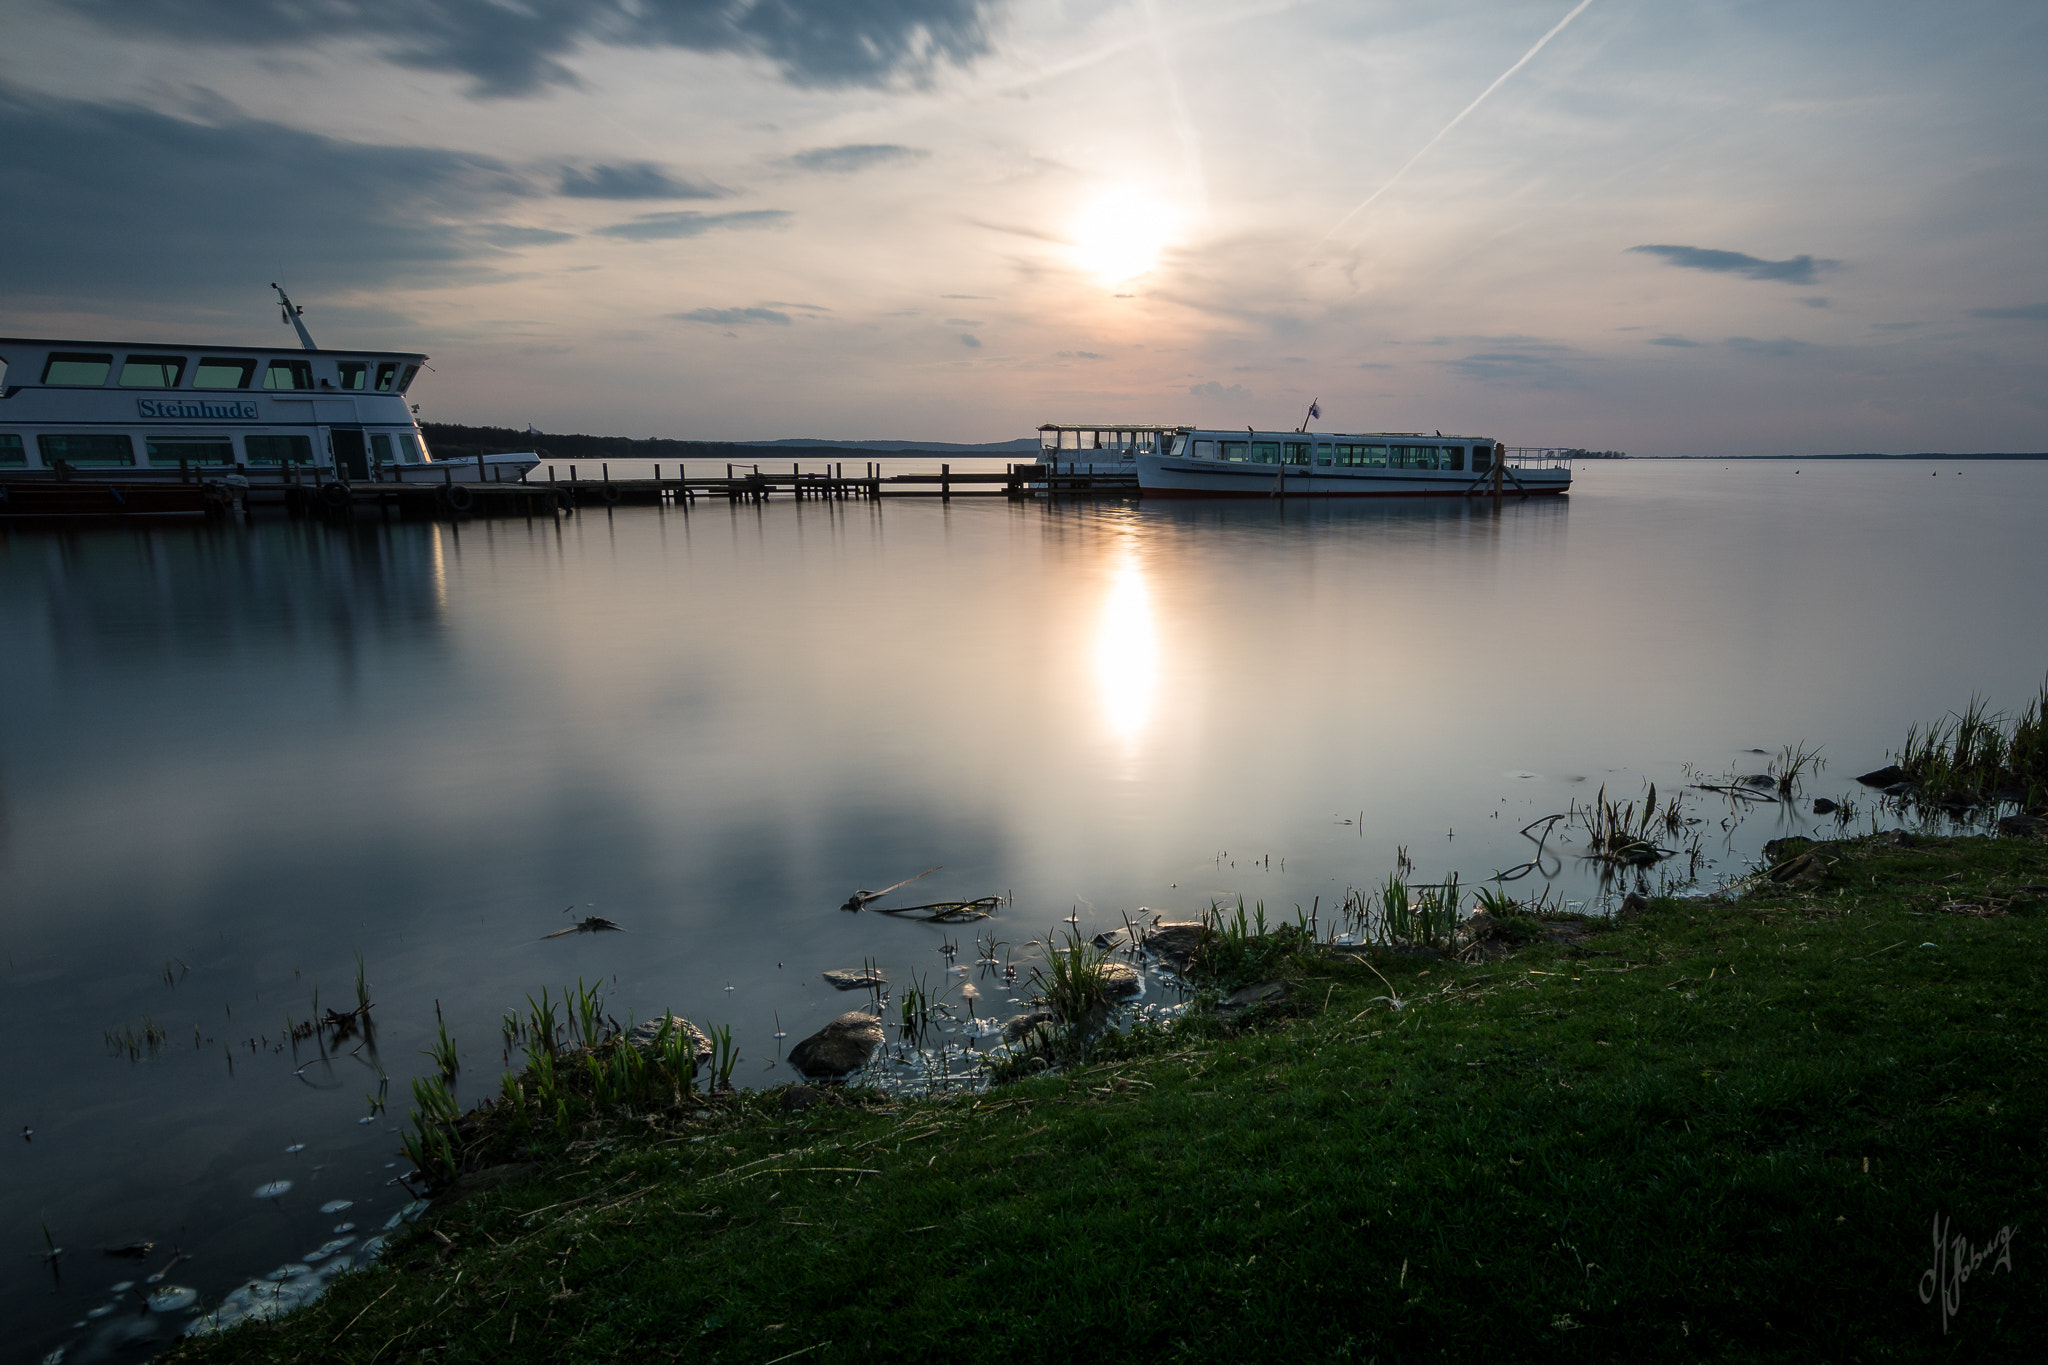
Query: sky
[1671, 227]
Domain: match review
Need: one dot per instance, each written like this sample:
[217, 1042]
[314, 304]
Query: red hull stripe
[1291, 493]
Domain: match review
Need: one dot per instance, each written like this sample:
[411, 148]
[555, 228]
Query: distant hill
[454, 441]
[1023, 445]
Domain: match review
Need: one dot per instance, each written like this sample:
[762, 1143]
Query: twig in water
[859, 899]
[589, 924]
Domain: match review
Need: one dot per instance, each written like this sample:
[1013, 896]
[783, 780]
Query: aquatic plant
[431, 1144]
[1070, 982]
[724, 1056]
[1979, 756]
[442, 1051]
[1792, 763]
[1625, 834]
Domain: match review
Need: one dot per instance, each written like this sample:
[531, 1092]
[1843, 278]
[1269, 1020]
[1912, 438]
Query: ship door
[349, 455]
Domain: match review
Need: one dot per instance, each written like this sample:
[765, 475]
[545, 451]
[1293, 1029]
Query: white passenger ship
[138, 411]
[1180, 461]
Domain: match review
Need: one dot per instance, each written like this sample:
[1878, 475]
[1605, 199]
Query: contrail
[1576, 11]
[1183, 126]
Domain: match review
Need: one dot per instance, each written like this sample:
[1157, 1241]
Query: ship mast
[291, 315]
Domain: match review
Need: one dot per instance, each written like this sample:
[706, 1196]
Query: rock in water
[643, 1036]
[850, 979]
[2019, 826]
[1823, 806]
[1175, 942]
[840, 1048]
[1890, 775]
[1119, 979]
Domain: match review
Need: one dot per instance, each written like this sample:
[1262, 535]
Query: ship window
[1412, 457]
[1297, 452]
[1362, 457]
[277, 449]
[1265, 452]
[405, 382]
[289, 374]
[413, 449]
[193, 450]
[1233, 450]
[11, 449]
[1205, 450]
[1322, 453]
[217, 372]
[152, 371]
[386, 374]
[87, 449]
[1454, 457]
[355, 374]
[380, 447]
[80, 370]
[1482, 459]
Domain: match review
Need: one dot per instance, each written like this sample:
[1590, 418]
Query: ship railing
[1540, 457]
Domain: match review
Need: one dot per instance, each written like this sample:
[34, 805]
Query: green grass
[1720, 1131]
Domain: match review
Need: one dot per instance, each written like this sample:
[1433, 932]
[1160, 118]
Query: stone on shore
[643, 1036]
[1175, 942]
[854, 979]
[840, 1048]
[1023, 1024]
[1251, 997]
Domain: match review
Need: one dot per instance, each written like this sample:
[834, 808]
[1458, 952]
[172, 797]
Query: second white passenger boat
[1199, 462]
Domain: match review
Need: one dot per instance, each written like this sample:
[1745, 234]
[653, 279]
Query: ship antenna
[291, 315]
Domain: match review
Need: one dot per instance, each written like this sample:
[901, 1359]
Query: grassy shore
[1720, 1129]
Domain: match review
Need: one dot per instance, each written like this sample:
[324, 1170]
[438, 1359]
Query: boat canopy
[53, 363]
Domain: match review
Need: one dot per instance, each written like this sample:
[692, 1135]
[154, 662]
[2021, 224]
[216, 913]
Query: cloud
[1798, 270]
[510, 50]
[1783, 346]
[2028, 312]
[1081, 355]
[734, 317]
[858, 156]
[512, 235]
[1669, 340]
[228, 200]
[1815, 302]
[1235, 393]
[969, 340]
[654, 227]
[1515, 369]
[632, 180]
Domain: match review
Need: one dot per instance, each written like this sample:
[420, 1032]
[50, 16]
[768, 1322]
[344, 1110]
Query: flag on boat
[1315, 411]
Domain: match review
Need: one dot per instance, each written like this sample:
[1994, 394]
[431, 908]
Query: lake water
[235, 757]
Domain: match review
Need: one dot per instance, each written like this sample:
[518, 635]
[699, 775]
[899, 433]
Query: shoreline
[1718, 1126]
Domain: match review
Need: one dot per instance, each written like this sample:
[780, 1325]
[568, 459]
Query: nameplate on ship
[199, 409]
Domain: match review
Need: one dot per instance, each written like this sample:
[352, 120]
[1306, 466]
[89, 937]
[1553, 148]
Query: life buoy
[335, 495]
[457, 497]
[610, 493]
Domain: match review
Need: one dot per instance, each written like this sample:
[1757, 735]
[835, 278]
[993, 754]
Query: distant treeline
[453, 441]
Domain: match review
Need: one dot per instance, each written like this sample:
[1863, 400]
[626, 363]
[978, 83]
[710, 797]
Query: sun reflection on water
[1127, 651]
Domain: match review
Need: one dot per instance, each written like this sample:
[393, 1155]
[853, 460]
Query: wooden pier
[562, 488]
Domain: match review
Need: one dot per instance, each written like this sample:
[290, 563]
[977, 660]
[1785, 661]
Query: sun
[1119, 234]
